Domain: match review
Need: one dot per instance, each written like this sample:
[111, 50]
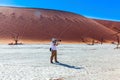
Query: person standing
[53, 49]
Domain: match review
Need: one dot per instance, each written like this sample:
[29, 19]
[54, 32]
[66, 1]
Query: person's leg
[51, 58]
[52, 55]
[56, 56]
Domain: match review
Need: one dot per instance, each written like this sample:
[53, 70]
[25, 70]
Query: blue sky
[100, 9]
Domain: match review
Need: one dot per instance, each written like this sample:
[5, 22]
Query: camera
[55, 41]
[58, 40]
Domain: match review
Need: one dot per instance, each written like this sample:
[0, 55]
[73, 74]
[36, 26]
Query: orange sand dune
[110, 24]
[37, 25]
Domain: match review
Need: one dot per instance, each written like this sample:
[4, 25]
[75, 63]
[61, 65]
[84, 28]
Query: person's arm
[57, 43]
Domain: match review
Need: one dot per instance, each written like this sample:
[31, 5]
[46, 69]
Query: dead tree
[101, 41]
[93, 42]
[118, 41]
[16, 39]
[117, 38]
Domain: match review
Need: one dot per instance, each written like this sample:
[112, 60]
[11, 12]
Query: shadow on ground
[69, 66]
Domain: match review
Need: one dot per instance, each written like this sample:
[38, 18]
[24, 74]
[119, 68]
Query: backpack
[50, 49]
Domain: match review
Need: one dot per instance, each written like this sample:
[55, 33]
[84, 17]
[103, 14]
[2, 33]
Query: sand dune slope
[114, 25]
[43, 24]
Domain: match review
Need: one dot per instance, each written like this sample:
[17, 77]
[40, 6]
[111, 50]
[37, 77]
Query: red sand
[40, 25]
[110, 24]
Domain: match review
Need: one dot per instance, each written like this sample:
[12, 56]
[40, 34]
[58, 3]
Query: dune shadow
[69, 66]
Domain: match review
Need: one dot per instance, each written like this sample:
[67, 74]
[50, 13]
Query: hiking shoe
[51, 62]
[56, 61]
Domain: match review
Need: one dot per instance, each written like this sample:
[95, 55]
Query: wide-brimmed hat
[53, 39]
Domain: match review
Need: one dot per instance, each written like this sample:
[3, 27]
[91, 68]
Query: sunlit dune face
[40, 25]
[110, 24]
[37, 13]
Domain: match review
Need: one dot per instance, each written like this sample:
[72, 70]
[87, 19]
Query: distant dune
[114, 25]
[39, 25]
